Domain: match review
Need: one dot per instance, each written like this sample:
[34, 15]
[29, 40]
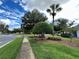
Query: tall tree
[54, 8]
[2, 26]
[63, 24]
[31, 18]
[17, 30]
[6, 29]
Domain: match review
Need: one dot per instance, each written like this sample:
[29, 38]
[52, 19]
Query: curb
[6, 44]
[26, 50]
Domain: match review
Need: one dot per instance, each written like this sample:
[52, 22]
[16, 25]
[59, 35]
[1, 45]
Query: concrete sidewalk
[26, 51]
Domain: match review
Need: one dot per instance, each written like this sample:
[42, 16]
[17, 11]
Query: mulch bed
[54, 38]
[72, 44]
[65, 42]
[58, 40]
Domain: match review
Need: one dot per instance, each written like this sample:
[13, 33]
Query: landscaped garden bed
[54, 38]
[50, 49]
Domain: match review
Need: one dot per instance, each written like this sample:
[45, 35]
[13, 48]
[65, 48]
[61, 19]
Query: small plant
[54, 38]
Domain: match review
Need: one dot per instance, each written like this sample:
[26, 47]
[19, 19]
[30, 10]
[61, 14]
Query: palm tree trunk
[53, 21]
[53, 26]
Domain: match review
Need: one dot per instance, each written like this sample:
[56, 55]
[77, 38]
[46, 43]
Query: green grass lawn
[10, 51]
[46, 50]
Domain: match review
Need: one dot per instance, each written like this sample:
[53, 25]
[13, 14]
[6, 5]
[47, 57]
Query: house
[77, 31]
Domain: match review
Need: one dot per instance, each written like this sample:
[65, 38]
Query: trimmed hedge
[54, 38]
[67, 35]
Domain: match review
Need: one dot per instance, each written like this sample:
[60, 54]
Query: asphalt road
[4, 39]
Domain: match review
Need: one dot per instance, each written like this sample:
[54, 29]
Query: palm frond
[59, 9]
[52, 6]
[57, 6]
[48, 10]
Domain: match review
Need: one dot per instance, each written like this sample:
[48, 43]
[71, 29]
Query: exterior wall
[78, 34]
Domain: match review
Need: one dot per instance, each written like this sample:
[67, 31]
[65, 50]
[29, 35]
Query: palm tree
[54, 8]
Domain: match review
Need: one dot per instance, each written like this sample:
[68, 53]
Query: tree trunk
[53, 27]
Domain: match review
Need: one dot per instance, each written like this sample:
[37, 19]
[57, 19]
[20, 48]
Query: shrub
[42, 28]
[54, 38]
[67, 35]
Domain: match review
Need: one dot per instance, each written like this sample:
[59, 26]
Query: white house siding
[78, 34]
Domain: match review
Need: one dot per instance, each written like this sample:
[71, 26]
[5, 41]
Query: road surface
[4, 39]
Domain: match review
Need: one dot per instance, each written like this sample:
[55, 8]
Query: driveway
[4, 39]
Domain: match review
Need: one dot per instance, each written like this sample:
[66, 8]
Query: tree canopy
[31, 18]
[3, 27]
[63, 24]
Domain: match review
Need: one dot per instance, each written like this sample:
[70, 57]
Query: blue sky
[11, 11]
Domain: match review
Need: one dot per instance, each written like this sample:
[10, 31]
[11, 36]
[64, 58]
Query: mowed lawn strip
[46, 50]
[10, 51]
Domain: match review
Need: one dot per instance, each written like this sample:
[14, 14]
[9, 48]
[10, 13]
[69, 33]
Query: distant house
[77, 30]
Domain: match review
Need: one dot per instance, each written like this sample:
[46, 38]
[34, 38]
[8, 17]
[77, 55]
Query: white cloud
[25, 1]
[6, 21]
[70, 11]
[1, 11]
[11, 28]
[11, 15]
[9, 22]
[41, 4]
[16, 1]
[24, 6]
[12, 23]
[0, 2]
[70, 8]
